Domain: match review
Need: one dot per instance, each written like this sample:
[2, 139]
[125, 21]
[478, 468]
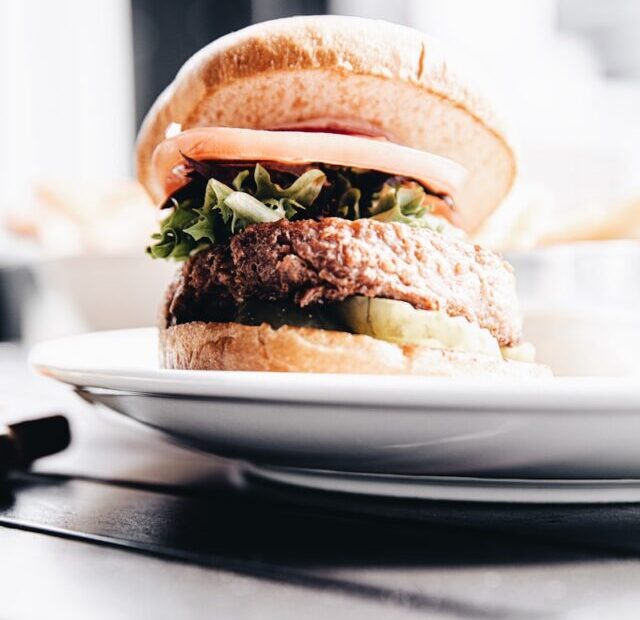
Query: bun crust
[232, 346]
[370, 72]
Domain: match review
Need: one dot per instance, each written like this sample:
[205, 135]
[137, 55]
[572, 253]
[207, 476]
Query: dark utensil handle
[24, 442]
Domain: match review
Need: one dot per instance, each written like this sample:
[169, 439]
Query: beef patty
[328, 260]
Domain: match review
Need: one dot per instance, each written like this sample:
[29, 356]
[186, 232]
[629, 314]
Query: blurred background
[78, 78]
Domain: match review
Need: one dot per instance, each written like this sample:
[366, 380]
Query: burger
[319, 178]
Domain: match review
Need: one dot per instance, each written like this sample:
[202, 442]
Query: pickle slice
[523, 352]
[399, 322]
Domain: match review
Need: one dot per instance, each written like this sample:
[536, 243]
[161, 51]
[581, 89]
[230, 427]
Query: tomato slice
[440, 175]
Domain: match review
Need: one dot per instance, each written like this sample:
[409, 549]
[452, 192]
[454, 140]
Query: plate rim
[592, 393]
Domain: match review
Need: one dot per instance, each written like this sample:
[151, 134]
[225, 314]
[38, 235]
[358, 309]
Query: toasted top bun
[232, 346]
[366, 76]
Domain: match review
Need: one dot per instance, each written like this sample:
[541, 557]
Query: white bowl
[581, 303]
[90, 293]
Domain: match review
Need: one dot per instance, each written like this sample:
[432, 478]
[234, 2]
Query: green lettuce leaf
[247, 210]
[173, 241]
[350, 197]
[406, 204]
[302, 192]
[203, 228]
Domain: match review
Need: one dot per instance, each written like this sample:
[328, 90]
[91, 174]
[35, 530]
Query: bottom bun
[232, 346]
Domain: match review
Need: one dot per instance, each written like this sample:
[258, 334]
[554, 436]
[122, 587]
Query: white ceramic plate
[577, 438]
